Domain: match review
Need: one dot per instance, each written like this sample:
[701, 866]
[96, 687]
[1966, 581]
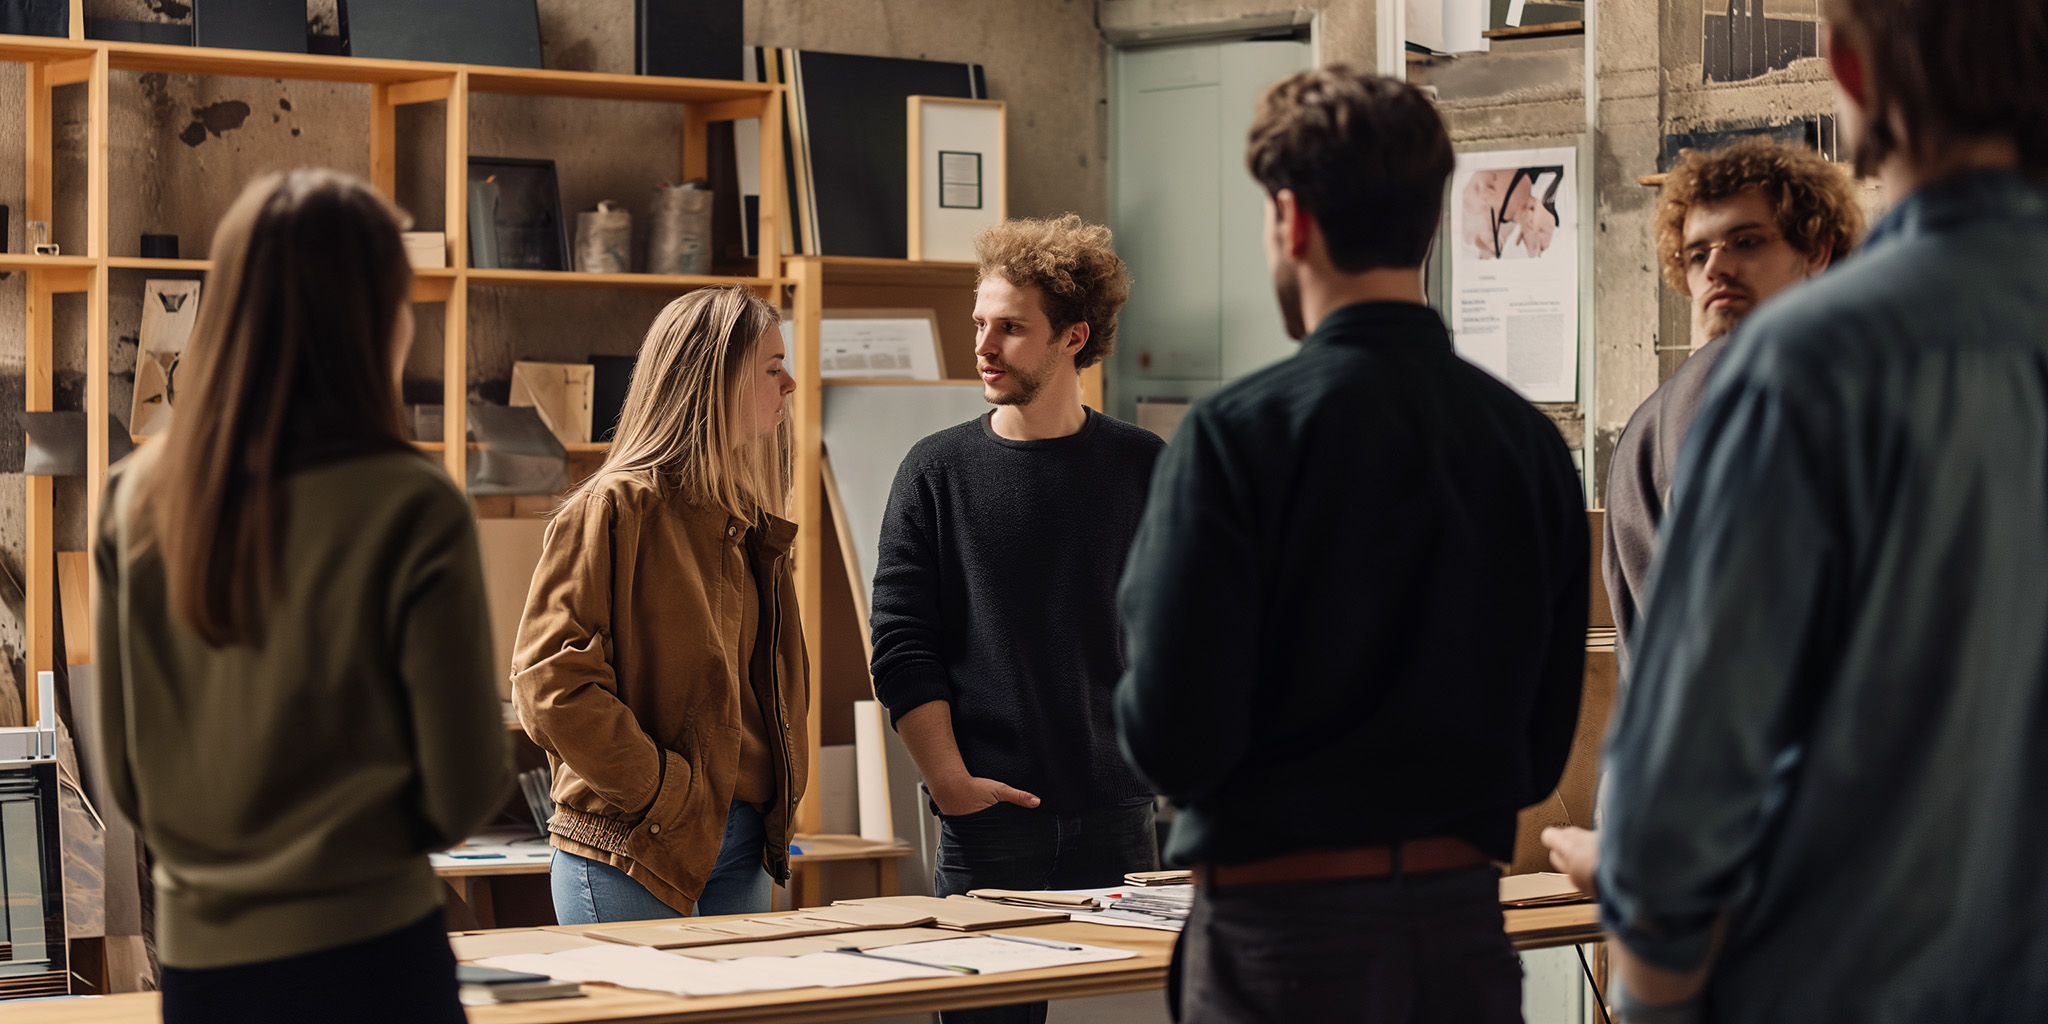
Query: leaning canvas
[169, 311]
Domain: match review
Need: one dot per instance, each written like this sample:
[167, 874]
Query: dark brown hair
[1072, 264]
[1949, 72]
[289, 366]
[1813, 204]
[1366, 156]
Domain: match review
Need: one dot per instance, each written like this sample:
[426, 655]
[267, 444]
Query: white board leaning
[959, 177]
[1514, 287]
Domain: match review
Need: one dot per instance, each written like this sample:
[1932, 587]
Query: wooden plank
[208, 60]
[499, 278]
[773, 207]
[914, 195]
[36, 49]
[98, 402]
[695, 162]
[73, 71]
[426, 90]
[731, 110]
[1652, 180]
[1550, 28]
[599, 86]
[39, 358]
[807, 418]
[384, 141]
[146, 263]
[455, 321]
[74, 581]
[68, 280]
[432, 287]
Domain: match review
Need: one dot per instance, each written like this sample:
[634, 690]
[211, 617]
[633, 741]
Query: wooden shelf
[597, 86]
[147, 263]
[30, 261]
[1548, 28]
[587, 448]
[576, 279]
[209, 60]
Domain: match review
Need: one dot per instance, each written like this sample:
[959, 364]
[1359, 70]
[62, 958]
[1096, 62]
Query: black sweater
[995, 590]
[1357, 607]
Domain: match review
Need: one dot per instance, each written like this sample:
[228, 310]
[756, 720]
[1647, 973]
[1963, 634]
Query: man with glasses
[1734, 227]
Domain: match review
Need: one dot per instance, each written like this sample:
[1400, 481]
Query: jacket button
[731, 530]
[654, 829]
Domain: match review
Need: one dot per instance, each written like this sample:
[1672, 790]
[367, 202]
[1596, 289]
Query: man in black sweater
[1356, 608]
[996, 640]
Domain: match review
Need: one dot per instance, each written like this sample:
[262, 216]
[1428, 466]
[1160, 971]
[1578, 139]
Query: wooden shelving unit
[55, 63]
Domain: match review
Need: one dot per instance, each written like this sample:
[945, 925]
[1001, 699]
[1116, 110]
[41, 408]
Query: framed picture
[515, 215]
[877, 343]
[959, 181]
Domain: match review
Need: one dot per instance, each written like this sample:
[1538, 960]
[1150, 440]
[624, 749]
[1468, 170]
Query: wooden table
[1535, 928]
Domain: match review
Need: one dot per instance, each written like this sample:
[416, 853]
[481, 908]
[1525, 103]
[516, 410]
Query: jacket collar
[1377, 323]
[1961, 199]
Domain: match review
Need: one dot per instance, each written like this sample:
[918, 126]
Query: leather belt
[1436, 853]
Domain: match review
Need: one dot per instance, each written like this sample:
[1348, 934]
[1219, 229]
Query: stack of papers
[880, 939]
[1182, 877]
[1043, 900]
[1539, 889]
[496, 849]
[960, 913]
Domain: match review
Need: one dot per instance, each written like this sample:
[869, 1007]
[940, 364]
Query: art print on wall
[170, 309]
[1514, 283]
[515, 215]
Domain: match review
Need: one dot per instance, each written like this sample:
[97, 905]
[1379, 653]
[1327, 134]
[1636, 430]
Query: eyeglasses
[1746, 245]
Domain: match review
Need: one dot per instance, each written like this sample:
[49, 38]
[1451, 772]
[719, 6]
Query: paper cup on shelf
[679, 242]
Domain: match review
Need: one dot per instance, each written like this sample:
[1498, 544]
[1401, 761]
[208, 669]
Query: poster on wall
[1514, 292]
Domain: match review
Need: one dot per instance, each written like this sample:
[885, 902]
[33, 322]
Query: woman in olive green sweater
[294, 648]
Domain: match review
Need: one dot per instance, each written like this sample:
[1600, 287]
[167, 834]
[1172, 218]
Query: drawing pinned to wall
[1745, 39]
[882, 343]
[169, 311]
[959, 183]
[1515, 268]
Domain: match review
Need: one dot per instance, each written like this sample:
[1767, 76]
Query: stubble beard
[1024, 384]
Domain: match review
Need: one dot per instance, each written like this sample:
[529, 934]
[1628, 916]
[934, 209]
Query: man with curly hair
[1734, 227]
[997, 645]
[1824, 796]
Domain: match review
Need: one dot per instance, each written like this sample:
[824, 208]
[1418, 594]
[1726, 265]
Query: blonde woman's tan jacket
[627, 672]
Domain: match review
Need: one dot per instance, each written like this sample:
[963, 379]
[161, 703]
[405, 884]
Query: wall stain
[213, 119]
[171, 9]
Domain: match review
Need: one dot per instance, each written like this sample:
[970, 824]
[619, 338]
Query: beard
[1719, 323]
[1287, 289]
[1025, 383]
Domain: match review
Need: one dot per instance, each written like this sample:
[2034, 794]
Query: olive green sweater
[291, 789]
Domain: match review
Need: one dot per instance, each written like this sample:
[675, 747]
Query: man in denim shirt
[1828, 789]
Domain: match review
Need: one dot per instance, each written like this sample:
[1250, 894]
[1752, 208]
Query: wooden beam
[98, 203]
[40, 191]
[1548, 28]
[383, 141]
[729, 110]
[455, 324]
[807, 498]
[73, 71]
[426, 90]
[97, 167]
[39, 513]
[696, 163]
[773, 206]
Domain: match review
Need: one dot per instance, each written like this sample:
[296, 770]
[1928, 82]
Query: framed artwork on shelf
[959, 180]
[515, 215]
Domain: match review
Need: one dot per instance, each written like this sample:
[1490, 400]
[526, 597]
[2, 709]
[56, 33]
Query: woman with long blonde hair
[660, 661]
[296, 701]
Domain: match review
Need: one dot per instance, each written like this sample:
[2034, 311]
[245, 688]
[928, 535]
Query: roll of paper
[604, 240]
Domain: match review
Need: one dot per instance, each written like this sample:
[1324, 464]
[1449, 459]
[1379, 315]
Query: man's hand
[971, 793]
[1576, 852]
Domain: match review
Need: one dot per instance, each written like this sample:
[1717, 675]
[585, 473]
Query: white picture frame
[876, 344]
[959, 174]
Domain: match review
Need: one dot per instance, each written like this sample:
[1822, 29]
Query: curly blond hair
[1812, 201]
[1074, 267]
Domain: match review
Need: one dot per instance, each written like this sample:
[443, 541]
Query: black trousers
[1400, 949]
[401, 977]
[1011, 847]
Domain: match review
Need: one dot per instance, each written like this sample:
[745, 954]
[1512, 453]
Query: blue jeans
[590, 892]
[1012, 847]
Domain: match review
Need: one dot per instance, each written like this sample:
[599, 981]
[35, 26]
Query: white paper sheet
[657, 971]
[1000, 954]
[1514, 296]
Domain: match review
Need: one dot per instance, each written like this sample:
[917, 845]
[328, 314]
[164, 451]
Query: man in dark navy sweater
[1356, 609]
[996, 640]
